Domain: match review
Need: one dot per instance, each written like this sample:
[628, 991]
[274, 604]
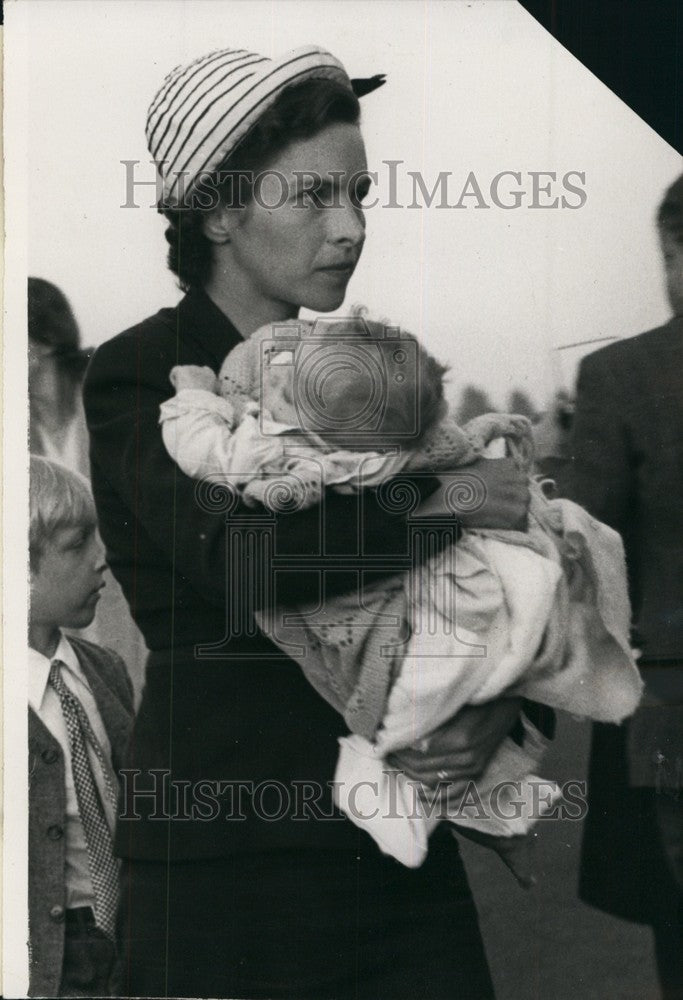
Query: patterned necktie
[104, 867]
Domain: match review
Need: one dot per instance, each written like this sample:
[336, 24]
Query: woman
[255, 887]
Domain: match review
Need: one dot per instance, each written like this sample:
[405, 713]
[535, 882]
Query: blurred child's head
[355, 383]
[670, 224]
[65, 553]
[56, 361]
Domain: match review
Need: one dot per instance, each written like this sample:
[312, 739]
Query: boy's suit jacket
[113, 692]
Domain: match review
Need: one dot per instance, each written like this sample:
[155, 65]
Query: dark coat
[628, 472]
[193, 567]
[113, 693]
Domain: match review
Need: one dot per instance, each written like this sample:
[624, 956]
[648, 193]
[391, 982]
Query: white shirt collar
[39, 670]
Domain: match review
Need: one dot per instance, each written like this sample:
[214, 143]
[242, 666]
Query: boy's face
[66, 587]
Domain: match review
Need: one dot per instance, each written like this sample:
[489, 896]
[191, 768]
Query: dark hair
[300, 112]
[52, 322]
[670, 214]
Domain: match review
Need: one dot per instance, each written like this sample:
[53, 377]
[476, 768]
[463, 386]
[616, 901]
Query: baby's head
[353, 382]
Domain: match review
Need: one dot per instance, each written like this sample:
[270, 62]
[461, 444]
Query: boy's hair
[58, 498]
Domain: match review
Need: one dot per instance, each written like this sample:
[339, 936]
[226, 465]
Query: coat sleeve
[601, 477]
[124, 389]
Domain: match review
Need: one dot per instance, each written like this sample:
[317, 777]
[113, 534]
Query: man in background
[628, 472]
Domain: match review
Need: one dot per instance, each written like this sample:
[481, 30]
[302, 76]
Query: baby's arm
[193, 377]
[196, 424]
[482, 430]
[449, 445]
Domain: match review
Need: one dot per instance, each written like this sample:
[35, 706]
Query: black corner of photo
[634, 48]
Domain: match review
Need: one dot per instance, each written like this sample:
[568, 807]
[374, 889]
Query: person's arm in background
[124, 389]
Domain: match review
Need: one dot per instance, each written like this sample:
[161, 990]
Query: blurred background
[472, 87]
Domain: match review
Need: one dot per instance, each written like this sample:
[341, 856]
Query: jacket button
[57, 914]
[55, 832]
[50, 756]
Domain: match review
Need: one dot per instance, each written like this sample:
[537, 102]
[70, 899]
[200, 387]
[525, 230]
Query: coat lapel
[116, 716]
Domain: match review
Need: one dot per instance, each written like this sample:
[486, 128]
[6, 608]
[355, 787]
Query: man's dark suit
[113, 693]
[628, 472]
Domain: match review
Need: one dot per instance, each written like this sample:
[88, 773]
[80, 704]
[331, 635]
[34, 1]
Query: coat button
[55, 832]
[57, 914]
[50, 756]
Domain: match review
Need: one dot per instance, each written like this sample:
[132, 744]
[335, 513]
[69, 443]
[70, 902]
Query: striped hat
[204, 109]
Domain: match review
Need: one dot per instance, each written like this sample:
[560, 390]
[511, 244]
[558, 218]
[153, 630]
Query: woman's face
[298, 241]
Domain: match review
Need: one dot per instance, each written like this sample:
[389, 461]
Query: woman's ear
[220, 224]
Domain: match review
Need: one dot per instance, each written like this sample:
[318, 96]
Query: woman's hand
[459, 751]
[504, 494]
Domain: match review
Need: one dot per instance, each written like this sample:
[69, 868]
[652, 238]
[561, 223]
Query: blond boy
[80, 713]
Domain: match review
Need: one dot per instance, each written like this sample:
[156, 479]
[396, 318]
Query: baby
[542, 613]
[341, 398]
